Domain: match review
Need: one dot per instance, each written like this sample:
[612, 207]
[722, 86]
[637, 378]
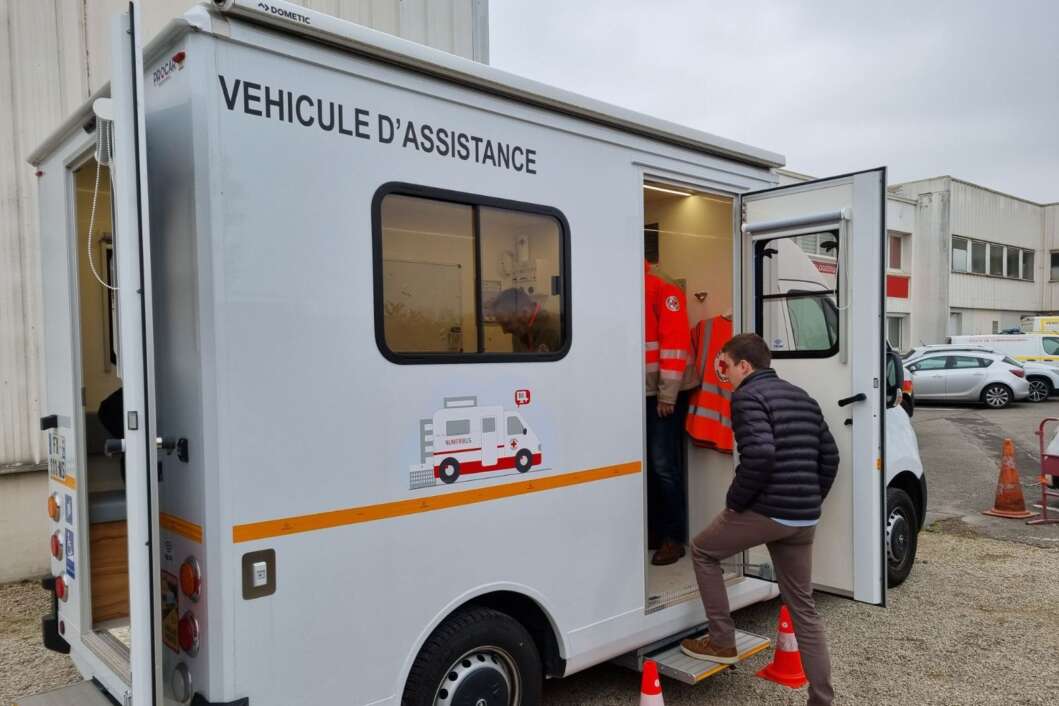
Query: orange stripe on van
[179, 525]
[69, 481]
[441, 501]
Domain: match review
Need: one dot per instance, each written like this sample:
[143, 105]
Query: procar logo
[168, 68]
[282, 12]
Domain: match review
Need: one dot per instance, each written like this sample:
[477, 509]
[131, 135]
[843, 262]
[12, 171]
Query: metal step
[84, 693]
[673, 663]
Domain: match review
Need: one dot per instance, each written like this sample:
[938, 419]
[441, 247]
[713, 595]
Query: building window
[978, 258]
[996, 260]
[981, 258]
[1055, 266]
[461, 278]
[895, 259]
[959, 254]
[1013, 257]
[894, 325]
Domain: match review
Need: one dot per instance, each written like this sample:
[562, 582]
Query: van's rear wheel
[449, 470]
[902, 538]
[480, 657]
[997, 396]
[523, 460]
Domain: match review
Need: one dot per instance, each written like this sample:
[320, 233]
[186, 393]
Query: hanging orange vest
[709, 421]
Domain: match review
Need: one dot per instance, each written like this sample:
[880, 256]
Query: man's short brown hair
[749, 347]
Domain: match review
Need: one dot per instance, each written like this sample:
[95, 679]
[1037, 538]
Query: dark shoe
[669, 553]
[702, 648]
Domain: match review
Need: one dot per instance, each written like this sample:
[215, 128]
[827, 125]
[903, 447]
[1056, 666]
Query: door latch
[169, 445]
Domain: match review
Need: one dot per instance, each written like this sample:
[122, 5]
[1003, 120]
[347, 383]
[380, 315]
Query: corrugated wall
[53, 54]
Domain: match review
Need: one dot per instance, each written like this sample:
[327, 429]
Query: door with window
[489, 441]
[824, 318]
[928, 377]
[964, 374]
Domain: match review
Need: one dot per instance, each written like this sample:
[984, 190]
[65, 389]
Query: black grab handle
[859, 397]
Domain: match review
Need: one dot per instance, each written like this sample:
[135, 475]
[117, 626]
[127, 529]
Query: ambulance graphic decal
[464, 441]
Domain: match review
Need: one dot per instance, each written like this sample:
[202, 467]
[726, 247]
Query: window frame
[760, 298]
[475, 201]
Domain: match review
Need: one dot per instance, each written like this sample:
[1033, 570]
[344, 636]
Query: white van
[1039, 324]
[275, 231]
[1025, 347]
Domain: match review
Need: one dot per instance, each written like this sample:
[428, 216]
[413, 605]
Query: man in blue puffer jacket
[787, 463]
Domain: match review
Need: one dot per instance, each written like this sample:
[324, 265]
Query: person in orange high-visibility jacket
[709, 420]
[666, 355]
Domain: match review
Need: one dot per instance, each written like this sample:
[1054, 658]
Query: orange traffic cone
[651, 687]
[1009, 501]
[786, 667]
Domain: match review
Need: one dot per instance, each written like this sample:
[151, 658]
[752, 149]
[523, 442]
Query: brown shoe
[702, 648]
[669, 553]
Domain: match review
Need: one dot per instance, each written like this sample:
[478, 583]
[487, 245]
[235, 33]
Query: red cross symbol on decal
[514, 443]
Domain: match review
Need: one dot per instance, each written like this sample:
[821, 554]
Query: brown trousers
[791, 549]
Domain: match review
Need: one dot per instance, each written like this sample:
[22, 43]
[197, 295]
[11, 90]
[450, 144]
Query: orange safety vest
[667, 340]
[709, 421]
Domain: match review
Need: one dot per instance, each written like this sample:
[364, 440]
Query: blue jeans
[666, 496]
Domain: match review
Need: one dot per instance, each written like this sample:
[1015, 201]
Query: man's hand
[664, 409]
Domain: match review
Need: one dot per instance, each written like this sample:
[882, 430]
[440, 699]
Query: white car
[989, 378]
[1043, 379]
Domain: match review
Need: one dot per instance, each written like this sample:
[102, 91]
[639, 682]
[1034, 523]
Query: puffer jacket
[787, 456]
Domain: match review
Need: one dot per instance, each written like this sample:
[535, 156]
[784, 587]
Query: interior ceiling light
[652, 187]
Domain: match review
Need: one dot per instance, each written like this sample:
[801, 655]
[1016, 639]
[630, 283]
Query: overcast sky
[926, 88]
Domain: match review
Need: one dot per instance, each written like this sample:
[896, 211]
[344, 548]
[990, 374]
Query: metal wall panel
[53, 55]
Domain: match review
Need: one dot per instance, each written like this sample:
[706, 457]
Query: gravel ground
[976, 623]
[25, 666]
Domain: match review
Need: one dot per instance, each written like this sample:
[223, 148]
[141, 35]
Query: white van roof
[433, 62]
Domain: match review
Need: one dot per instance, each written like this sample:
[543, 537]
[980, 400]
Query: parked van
[1039, 324]
[1026, 347]
[276, 232]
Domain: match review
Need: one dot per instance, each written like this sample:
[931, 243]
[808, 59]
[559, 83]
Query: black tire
[449, 470]
[1040, 389]
[902, 536]
[997, 396]
[523, 460]
[482, 656]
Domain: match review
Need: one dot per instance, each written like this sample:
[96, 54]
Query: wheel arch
[521, 603]
[916, 488]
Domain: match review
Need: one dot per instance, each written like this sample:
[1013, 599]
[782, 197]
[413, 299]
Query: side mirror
[895, 377]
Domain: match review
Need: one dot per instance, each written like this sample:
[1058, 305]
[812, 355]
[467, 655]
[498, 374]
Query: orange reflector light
[188, 633]
[190, 578]
[56, 546]
[60, 588]
[53, 507]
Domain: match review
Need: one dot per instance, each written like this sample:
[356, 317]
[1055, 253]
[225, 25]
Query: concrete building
[982, 259]
[53, 56]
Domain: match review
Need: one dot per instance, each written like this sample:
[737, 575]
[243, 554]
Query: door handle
[859, 397]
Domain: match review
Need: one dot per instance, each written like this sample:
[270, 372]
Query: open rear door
[135, 336]
[812, 284]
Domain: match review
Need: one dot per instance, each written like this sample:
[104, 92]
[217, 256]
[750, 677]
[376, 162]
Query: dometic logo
[343, 119]
[284, 13]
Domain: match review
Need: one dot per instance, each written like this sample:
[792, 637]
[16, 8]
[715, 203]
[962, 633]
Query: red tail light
[188, 633]
[56, 546]
[1018, 372]
[906, 386]
[60, 588]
